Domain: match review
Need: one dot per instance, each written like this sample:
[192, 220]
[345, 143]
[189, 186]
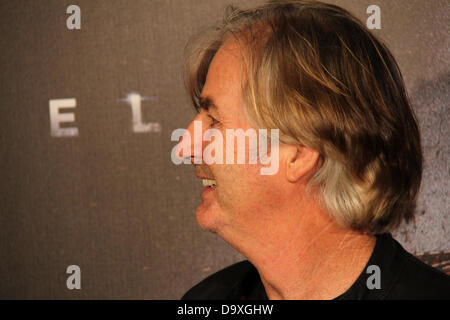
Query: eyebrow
[206, 103]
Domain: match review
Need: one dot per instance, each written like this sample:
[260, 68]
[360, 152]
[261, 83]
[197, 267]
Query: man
[349, 158]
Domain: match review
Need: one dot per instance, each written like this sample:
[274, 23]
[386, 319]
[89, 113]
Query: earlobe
[301, 163]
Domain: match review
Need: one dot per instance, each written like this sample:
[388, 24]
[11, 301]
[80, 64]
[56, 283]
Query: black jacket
[403, 276]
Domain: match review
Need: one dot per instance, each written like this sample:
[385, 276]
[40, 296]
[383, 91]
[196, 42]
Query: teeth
[209, 183]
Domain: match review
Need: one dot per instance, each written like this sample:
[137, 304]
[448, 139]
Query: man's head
[349, 139]
[240, 189]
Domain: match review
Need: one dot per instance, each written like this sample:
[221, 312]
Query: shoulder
[401, 276]
[222, 284]
[417, 280]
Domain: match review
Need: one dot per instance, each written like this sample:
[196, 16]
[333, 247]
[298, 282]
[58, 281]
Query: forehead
[225, 74]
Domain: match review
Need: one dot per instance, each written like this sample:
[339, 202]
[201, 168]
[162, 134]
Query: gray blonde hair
[319, 76]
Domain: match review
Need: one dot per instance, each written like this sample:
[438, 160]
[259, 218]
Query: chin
[208, 218]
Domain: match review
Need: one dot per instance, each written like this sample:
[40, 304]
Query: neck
[322, 267]
[305, 256]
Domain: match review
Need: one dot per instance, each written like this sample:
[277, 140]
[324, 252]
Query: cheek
[232, 186]
[241, 187]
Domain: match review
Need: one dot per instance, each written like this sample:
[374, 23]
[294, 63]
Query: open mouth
[209, 183]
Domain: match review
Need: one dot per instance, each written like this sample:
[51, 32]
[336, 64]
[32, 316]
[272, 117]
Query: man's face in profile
[242, 196]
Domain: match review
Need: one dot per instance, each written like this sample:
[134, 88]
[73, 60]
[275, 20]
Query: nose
[190, 146]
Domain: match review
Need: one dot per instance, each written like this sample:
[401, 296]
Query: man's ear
[301, 162]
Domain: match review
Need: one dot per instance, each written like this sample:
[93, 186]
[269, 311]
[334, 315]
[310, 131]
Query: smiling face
[242, 195]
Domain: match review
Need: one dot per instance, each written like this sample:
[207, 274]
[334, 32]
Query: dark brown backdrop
[109, 200]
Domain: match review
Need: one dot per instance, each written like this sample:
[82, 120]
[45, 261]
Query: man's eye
[213, 121]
